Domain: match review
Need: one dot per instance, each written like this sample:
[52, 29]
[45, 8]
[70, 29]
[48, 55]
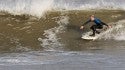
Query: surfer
[98, 24]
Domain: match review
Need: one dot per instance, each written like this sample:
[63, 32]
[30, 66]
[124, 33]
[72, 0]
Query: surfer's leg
[98, 27]
[97, 32]
[93, 29]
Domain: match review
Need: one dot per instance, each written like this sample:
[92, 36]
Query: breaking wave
[90, 4]
[31, 7]
[40, 7]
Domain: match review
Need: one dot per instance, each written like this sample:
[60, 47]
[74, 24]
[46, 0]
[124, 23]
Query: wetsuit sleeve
[86, 22]
[104, 23]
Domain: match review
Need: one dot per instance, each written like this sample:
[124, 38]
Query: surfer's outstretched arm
[85, 24]
[104, 24]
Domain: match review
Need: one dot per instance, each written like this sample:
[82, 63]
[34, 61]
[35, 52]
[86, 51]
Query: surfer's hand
[81, 27]
[109, 26]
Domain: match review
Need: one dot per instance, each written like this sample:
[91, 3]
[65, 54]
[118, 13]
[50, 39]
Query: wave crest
[40, 7]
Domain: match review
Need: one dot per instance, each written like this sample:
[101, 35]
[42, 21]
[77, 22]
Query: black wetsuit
[98, 25]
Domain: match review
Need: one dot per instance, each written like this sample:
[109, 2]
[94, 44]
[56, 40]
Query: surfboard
[89, 37]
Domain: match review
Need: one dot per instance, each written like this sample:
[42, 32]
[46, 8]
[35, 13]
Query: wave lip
[31, 7]
[40, 7]
[90, 4]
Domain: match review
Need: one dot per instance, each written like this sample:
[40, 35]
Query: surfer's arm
[104, 24]
[86, 22]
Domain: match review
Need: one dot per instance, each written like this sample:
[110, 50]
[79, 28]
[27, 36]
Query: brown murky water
[54, 42]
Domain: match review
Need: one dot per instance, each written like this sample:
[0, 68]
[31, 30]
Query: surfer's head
[92, 17]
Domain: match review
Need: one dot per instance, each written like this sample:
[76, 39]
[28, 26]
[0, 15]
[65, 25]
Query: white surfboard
[87, 37]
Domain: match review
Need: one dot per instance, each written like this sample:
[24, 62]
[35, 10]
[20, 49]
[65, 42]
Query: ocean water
[45, 35]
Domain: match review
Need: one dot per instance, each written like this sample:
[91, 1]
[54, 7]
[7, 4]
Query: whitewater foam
[40, 7]
[89, 4]
[31, 7]
[116, 32]
[51, 42]
[120, 34]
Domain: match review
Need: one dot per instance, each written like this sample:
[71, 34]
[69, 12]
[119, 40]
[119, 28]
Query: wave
[57, 31]
[40, 7]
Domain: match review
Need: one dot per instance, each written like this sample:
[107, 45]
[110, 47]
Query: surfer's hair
[92, 15]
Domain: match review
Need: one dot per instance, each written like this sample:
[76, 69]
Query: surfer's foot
[97, 32]
[92, 35]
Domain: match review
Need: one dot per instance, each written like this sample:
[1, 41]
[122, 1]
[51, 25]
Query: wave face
[58, 31]
[39, 7]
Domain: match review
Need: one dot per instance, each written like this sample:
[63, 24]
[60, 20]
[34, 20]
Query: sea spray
[31, 7]
[120, 34]
[40, 7]
[51, 42]
[89, 4]
[116, 32]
